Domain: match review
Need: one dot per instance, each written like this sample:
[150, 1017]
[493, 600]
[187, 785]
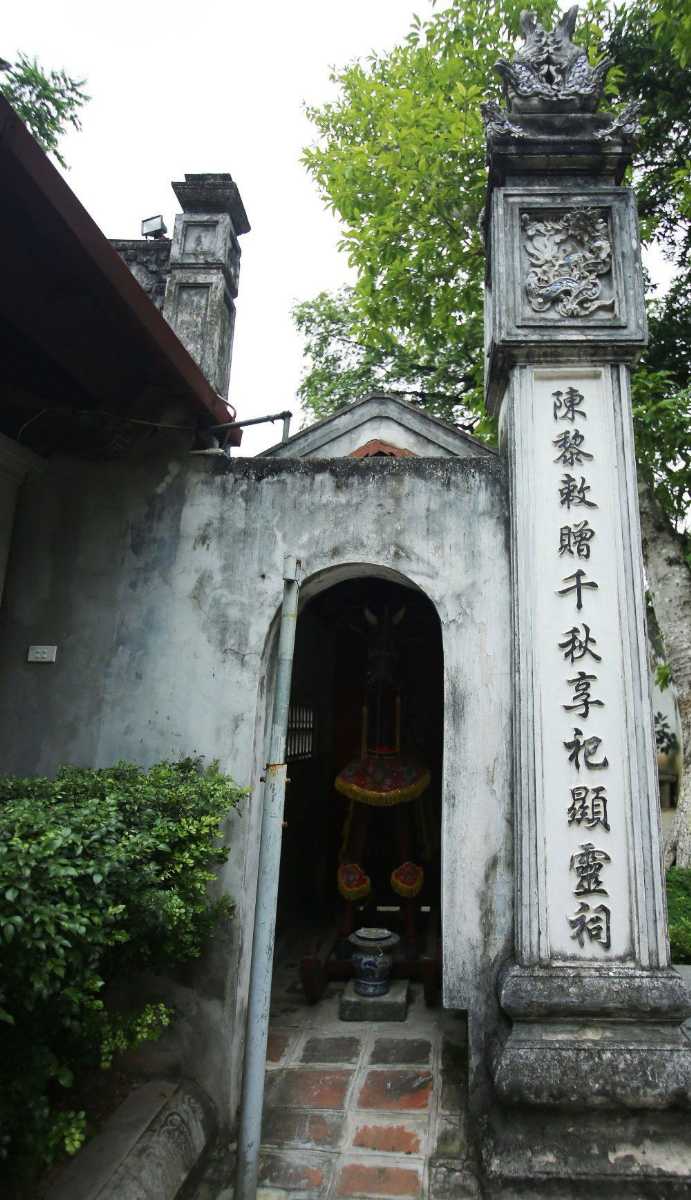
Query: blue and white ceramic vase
[371, 960]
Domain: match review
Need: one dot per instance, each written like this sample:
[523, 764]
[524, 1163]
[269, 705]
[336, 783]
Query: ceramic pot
[371, 962]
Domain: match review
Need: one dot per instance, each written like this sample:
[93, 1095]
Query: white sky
[215, 86]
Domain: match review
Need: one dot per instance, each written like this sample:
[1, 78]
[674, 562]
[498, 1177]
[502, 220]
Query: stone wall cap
[589, 144]
[212, 193]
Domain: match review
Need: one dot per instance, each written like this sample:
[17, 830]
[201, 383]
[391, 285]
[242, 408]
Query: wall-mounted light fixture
[154, 227]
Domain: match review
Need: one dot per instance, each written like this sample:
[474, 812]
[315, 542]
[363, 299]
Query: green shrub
[102, 873]
[679, 913]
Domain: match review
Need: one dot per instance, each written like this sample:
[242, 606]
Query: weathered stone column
[204, 271]
[594, 1004]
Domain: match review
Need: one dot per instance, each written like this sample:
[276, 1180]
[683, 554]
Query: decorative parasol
[382, 780]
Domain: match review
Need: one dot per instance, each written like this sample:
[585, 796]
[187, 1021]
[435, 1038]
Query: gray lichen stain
[370, 471]
[203, 536]
[487, 909]
[219, 626]
[200, 592]
[455, 705]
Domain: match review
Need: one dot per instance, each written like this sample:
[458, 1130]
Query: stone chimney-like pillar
[595, 1007]
[204, 269]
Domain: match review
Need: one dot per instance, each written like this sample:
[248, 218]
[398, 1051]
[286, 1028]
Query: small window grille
[300, 743]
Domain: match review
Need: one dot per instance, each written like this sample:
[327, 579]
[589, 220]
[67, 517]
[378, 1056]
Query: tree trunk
[669, 581]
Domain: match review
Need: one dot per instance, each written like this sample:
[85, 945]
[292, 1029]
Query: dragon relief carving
[497, 123]
[549, 73]
[624, 124]
[568, 255]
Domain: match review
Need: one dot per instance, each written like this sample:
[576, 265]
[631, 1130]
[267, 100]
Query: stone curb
[146, 1149]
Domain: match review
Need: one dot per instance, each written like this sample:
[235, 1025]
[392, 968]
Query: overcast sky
[214, 85]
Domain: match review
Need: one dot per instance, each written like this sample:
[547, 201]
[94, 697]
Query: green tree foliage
[400, 159]
[47, 101]
[649, 41]
[662, 421]
[642, 38]
[679, 911]
[672, 18]
[102, 873]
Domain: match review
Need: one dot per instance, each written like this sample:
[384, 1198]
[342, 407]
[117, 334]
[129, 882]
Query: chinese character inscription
[586, 799]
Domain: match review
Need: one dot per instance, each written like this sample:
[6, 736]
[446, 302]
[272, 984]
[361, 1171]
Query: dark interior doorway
[337, 637]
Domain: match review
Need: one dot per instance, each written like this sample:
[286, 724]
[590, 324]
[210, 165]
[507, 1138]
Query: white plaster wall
[160, 580]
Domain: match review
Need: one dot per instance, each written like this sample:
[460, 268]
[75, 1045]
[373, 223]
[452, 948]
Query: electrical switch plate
[46, 654]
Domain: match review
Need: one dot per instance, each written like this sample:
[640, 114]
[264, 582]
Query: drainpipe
[267, 894]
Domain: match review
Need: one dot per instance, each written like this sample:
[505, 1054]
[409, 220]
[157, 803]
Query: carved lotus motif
[568, 254]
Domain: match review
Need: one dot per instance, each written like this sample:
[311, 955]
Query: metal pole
[259, 999]
[282, 416]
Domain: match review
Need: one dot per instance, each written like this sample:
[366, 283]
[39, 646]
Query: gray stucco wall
[149, 262]
[160, 580]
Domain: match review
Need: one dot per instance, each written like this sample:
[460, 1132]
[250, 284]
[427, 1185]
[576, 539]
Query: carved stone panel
[566, 268]
[202, 239]
[564, 281]
[190, 315]
[200, 309]
[199, 240]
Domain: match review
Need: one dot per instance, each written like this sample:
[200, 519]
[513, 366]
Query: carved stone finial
[549, 74]
[497, 123]
[625, 124]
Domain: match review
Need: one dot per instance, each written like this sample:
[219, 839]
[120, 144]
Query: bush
[679, 913]
[101, 873]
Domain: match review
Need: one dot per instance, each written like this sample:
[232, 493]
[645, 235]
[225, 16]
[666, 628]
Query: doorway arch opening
[361, 843]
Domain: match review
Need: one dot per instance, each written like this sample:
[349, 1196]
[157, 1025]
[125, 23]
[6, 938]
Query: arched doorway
[353, 624]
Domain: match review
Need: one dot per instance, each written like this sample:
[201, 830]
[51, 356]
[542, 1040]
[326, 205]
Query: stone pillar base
[609, 1037]
[587, 1064]
[559, 1156]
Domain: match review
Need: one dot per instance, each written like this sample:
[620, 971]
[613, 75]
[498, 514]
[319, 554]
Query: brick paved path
[351, 1109]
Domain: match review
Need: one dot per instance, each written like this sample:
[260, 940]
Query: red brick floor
[358, 1110]
[390, 1139]
[399, 1091]
[361, 1179]
[368, 1111]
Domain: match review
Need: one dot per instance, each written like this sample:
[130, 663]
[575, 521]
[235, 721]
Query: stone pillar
[594, 1004]
[204, 270]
